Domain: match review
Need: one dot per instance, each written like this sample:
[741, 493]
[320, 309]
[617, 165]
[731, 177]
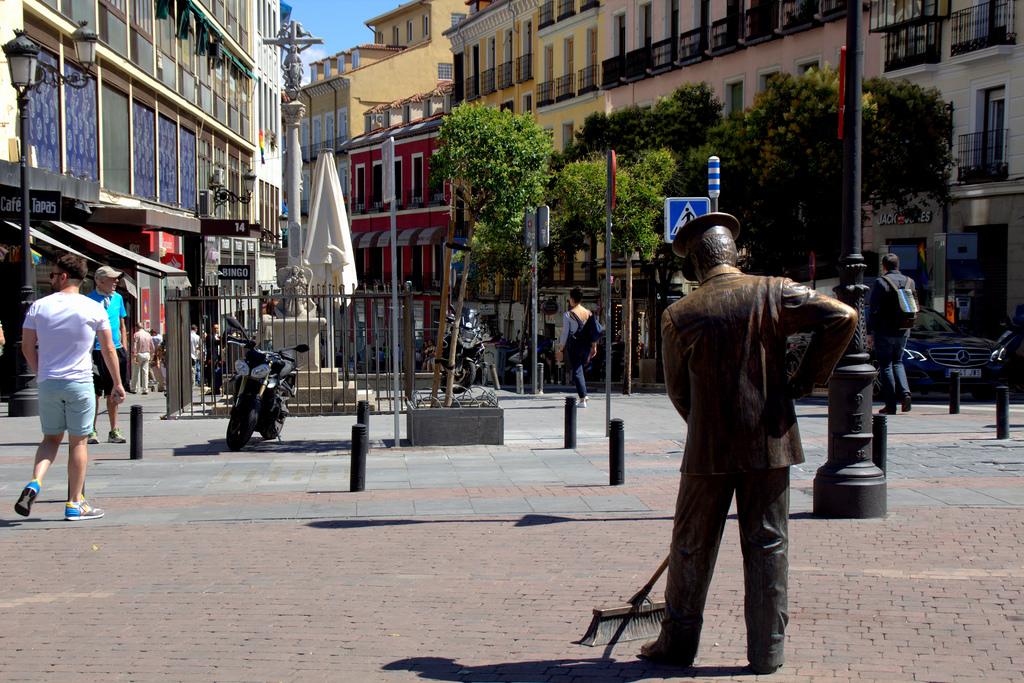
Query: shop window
[44, 121]
[187, 168]
[116, 157]
[144, 152]
[168, 155]
[80, 121]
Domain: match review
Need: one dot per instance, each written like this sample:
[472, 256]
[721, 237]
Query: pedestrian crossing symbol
[681, 210]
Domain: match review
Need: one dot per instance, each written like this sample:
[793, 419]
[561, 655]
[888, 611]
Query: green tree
[497, 164]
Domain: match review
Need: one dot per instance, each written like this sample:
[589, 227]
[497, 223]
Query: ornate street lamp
[222, 195]
[27, 72]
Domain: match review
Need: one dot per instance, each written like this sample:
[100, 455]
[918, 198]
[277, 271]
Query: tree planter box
[455, 426]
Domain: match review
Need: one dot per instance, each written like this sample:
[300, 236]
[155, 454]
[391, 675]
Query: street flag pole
[388, 161]
[609, 207]
[714, 181]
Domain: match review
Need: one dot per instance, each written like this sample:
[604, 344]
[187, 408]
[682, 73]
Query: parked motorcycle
[1010, 350]
[264, 381]
[469, 352]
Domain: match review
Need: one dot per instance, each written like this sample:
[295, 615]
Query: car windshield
[930, 321]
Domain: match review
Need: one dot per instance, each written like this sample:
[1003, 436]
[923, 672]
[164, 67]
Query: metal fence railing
[349, 338]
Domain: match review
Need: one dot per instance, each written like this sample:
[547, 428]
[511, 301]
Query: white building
[269, 167]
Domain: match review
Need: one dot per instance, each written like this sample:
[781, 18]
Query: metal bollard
[357, 470]
[135, 432]
[519, 378]
[540, 378]
[1002, 412]
[954, 392]
[879, 441]
[570, 422]
[363, 414]
[616, 453]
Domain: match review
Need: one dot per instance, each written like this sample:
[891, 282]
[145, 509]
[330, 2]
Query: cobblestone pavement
[484, 563]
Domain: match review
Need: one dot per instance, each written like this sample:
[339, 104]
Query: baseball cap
[107, 271]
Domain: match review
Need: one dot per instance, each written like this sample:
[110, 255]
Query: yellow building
[406, 58]
[539, 56]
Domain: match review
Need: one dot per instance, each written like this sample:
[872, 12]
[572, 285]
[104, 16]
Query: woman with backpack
[579, 337]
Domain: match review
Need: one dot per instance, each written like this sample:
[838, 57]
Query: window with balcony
[986, 24]
[547, 14]
[889, 15]
[762, 18]
[566, 9]
[982, 155]
[912, 45]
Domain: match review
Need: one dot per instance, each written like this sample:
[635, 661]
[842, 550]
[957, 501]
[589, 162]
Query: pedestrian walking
[888, 332]
[156, 363]
[142, 354]
[113, 303]
[725, 373]
[578, 342]
[58, 337]
[195, 345]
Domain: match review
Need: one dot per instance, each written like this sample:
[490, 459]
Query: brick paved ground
[482, 564]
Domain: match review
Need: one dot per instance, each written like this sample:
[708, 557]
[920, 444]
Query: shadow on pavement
[525, 520]
[562, 670]
[260, 446]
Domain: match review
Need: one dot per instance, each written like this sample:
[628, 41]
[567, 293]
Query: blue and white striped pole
[714, 181]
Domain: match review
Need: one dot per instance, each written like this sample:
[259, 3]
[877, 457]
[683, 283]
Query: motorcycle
[264, 381]
[1010, 350]
[469, 352]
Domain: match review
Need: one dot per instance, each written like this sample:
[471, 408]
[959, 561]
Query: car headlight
[260, 371]
[998, 356]
[241, 367]
[909, 354]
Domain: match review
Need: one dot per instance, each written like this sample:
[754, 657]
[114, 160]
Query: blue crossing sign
[681, 210]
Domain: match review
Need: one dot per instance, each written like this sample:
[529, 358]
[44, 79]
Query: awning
[43, 237]
[143, 263]
[366, 240]
[433, 235]
[968, 269]
[406, 237]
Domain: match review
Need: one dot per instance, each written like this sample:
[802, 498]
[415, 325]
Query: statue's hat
[690, 233]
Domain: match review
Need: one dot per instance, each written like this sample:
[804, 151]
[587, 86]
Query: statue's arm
[677, 372]
[831, 324]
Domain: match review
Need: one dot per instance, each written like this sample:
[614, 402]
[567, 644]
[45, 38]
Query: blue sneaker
[28, 495]
[76, 512]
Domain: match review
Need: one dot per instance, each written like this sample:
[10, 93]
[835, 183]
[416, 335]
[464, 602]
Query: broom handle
[645, 591]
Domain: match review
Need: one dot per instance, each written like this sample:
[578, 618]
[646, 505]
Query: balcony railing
[982, 26]
[472, 88]
[487, 82]
[524, 67]
[612, 71]
[663, 55]
[982, 156]
[566, 8]
[547, 14]
[692, 46]
[565, 87]
[587, 79]
[545, 93]
[889, 15]
[831, 9]
[913, 45]
[795, 14]
[637, 62]
[505, 75]
[725, 33]
[762, 21]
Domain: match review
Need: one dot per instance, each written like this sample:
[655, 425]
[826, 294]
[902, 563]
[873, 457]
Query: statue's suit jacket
[724, 350]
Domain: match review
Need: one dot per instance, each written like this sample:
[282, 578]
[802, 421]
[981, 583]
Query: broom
[637, 618]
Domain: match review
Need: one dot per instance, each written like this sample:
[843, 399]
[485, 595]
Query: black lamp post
[849, 484]
[26, 73]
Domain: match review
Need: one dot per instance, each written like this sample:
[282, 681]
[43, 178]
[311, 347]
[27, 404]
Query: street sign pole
[388, 158]
[609, 206]
[714, 181]
[534, 356]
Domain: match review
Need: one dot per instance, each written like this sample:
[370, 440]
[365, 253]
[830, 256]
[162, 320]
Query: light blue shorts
[67, 406]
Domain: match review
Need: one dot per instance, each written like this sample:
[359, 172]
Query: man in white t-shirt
[57, 340]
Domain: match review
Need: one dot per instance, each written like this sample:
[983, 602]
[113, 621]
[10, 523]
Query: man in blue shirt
[106, 281]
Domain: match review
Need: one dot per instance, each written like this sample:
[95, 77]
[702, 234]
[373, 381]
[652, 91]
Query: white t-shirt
[66, 327]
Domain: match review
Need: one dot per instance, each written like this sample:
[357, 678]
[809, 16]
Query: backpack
[586, 332]
[904, 309]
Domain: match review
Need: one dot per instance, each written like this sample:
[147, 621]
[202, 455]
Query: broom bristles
[624, 623]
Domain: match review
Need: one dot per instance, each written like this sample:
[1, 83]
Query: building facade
[973, 250]
[268, 160]
[166, 114]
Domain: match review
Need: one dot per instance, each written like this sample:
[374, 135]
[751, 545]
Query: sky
[341, 23]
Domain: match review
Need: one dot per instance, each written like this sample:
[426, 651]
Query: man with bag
[580, 333]
[892, 310]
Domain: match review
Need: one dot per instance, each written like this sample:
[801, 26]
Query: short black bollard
[135, 432]
[357, 470]
[616, 453]
[954, 392]
[570, 422]
[1002, 412]
[363, 414]
[879, 441]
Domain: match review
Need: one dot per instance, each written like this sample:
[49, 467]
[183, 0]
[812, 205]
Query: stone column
[292, 114]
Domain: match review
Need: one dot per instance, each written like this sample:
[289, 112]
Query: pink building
[733, 45]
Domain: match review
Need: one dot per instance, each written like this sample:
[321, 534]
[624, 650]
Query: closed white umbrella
[328, 249]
